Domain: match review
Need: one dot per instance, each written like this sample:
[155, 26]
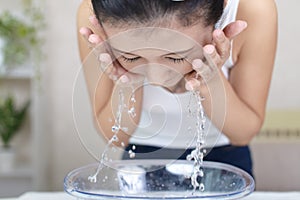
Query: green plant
[11, 119]
[21, 36]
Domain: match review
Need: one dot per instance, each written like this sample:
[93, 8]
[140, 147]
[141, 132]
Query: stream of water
[196, 155]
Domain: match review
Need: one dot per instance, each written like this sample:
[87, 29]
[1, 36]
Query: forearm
[229, 113]
[242, 122]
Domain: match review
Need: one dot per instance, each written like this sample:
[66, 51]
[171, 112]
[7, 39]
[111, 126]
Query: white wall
[66, 152]
[284, 93]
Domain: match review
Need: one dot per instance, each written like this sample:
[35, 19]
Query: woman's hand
[88, 33]
[218, 51]
[110, 67]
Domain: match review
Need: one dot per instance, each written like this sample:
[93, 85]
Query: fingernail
[197, 64]
[209, 49]
[189, 86]
[243, 24]
[92, 39]
[82, 31]
[124, 79]
[105, 57]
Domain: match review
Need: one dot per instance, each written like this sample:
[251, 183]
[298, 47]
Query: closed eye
[176, 60]
[130, 59]
[133, 59]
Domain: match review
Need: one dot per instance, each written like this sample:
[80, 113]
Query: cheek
[187, 68]
[124, 64]
[183, 68]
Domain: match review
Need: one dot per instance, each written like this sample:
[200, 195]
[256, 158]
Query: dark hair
[141, 12]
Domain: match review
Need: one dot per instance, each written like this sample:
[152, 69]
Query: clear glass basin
[158, 179]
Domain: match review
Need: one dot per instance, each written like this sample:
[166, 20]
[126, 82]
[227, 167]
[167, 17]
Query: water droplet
[132, 112]
[115, 129]
[132, 99]
[131, 154]
[92, 179]
[114, 138]
[201, 187]
[201, 173]
[189, 157]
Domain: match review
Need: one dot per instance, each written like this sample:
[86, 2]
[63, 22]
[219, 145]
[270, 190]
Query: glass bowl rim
[250, 183]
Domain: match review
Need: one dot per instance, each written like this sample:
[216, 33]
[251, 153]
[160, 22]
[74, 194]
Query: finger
[222, 44]
[94, 39]
[203, 70]
[85, 32]
[235, 28]
[109, 67]
[106, 64]
[210, 50]
[94, 21]
[132, 78]
[120, 70]
[190, 81]
[192, 84]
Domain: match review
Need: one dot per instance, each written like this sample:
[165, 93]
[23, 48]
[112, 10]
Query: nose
[162, 75]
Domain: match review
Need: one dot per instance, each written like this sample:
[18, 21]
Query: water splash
[116, 128]
[197, 154]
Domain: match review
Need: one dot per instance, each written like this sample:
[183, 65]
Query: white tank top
[165, 118]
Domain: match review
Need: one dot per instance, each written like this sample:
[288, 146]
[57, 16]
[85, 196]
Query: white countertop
[253, 196]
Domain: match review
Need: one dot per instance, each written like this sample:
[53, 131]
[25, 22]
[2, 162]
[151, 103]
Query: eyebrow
[178, 52]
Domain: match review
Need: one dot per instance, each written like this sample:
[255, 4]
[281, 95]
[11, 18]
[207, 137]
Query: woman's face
[162, 54]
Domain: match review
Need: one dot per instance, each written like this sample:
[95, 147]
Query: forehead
[157, 38]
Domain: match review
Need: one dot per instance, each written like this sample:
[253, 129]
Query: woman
[244, 66]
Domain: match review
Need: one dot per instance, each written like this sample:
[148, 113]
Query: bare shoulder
[261, 16]
[258, 10]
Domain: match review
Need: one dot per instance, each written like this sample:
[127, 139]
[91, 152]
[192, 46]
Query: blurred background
[36, 88]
